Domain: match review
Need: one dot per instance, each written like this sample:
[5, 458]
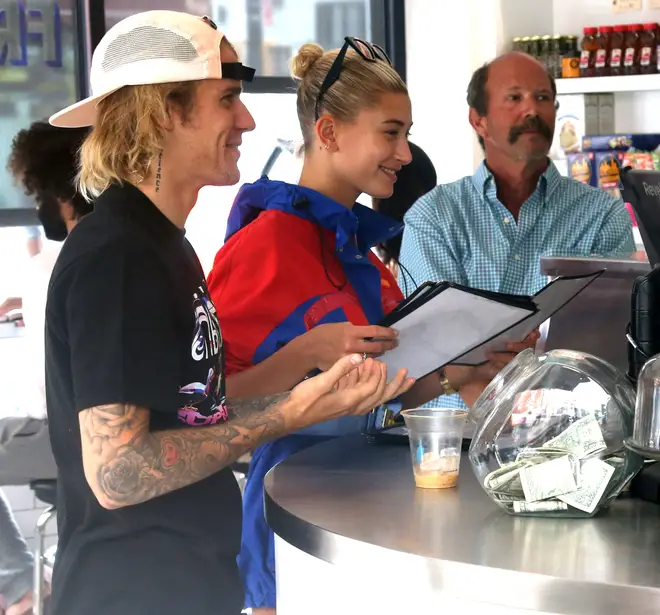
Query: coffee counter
[354, 535]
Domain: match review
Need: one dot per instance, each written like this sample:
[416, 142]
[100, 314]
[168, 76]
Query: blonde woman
[150, 514]
[297, 265]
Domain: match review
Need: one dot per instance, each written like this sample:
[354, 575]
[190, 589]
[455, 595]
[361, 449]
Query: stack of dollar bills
[567, 473]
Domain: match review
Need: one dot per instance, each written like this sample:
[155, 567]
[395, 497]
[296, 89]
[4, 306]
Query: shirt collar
[368, 226]
[483, 179]
[127, 201]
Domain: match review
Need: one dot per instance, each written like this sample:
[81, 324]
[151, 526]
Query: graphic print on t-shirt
[205, 403]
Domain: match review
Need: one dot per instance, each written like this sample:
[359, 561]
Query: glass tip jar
[549, 435]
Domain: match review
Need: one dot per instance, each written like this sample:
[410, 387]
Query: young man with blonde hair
[143, 435]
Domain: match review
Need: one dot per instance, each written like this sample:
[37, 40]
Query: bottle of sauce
[648, 54]
[631, 55]
[617, 50]
[603, 41]
[570, 62]
[588, 55]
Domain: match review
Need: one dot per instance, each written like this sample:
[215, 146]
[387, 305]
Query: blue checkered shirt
[462, 233]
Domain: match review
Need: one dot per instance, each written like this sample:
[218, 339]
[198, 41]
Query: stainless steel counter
[614, 267]
[346, 501]
[596, 320]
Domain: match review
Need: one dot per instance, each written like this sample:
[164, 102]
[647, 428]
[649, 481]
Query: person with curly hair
[43, 160]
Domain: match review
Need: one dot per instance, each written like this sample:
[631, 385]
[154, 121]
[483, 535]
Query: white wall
[442, 53]
[570, 16]
[527, 17]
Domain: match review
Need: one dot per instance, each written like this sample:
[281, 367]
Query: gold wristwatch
[446, 385]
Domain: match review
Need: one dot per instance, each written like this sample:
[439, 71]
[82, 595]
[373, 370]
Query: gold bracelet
[446, 385]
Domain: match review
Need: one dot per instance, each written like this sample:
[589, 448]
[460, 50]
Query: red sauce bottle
[588, 55]
[603, 41]
[617, 49]
[631, 55]
[648, 54]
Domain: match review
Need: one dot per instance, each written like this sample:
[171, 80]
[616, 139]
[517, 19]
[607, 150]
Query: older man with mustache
[490, 230]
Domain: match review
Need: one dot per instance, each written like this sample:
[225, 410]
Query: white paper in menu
[549, 301]
[445, 327]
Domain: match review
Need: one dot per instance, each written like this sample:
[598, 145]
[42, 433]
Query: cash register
[642, 190]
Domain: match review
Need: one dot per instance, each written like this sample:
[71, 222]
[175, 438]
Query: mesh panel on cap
[147, 43]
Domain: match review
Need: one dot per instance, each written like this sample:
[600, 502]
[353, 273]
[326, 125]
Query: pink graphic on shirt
[200, 393]
[191, 416]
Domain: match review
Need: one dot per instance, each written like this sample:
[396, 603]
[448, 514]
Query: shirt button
[517, 257]
[507, 220]
[358, 257]
[340, 249]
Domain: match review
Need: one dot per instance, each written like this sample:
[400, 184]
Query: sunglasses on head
[367, 51]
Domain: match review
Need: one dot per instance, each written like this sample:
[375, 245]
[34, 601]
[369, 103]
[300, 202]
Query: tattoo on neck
[159, 171]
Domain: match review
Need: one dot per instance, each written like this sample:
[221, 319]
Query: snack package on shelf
[570, 126]
[603, 156]
[620, 142]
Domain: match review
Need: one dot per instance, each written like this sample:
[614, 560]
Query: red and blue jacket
[293, 259]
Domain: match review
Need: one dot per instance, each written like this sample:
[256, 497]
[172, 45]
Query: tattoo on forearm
[133, 465]
[253, 406]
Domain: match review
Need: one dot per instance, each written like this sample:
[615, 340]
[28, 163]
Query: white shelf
[596, 85]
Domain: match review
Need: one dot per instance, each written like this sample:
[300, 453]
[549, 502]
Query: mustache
[531, 123]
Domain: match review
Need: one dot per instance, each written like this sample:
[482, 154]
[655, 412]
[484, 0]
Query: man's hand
[460, 375]
[471, 381]
[328, 343]
[349, 387]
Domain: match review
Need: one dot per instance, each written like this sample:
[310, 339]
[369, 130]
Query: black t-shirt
[129, 320]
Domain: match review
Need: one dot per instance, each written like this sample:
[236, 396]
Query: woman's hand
[326, 344]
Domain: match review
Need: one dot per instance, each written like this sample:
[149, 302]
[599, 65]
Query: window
[38, 76]
[116, 10]
[266, 33]
[335, 20]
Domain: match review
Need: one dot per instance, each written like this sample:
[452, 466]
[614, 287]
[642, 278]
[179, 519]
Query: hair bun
[306, 57]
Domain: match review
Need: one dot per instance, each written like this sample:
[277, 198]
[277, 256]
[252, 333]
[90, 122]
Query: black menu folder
[443, 323]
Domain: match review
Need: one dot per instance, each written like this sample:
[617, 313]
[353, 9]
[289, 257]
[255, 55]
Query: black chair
[46, 491]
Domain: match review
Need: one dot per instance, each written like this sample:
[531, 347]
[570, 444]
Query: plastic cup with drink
[436, 437]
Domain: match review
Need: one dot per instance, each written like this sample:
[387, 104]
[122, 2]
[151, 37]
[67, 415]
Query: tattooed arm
[126, 464]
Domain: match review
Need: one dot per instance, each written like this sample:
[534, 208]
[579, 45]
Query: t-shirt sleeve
[122, 331]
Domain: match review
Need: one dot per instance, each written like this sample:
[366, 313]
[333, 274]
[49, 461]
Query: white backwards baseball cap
[152, 47]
